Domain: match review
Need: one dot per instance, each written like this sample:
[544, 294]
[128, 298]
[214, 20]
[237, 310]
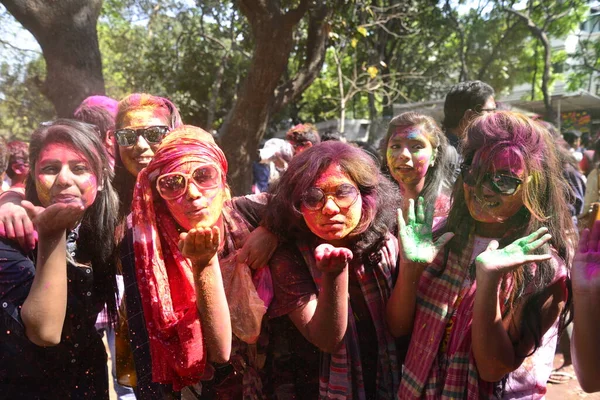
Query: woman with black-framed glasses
[492, 290]
[335, 270]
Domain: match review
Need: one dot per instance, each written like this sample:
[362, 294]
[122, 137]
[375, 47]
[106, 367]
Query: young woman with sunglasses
[51, 297]
[415, 152]
[491, 302]
[335, 269]
[184, 229]
[142, 122]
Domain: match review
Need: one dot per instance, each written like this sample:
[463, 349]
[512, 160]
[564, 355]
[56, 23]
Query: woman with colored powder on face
[184, 230]
[415, 152]
[334, 272]
[492, 291]
[51, 297]
[142, 121]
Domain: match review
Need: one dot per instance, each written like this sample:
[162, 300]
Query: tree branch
[492, 56]
[7, 44]
[527, 19]
[316, 44]
[294, 15]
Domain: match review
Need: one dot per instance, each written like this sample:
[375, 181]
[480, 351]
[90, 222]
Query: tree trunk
[464, 69]
[535, 71]
[214, 92]
[340, 77]
[248, 120]
[66, 32]
[550, 115]
[259, 95]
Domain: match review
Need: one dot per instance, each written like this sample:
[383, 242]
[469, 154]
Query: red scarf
[164, 275]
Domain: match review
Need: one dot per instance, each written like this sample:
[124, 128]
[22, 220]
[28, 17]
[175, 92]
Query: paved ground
[569, 389]
[564, 391]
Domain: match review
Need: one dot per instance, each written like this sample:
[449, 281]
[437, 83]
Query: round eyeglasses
[344, 196]
[174, 184]
[502, 184]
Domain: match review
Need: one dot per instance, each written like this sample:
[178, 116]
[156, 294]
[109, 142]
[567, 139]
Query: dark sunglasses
[505, 185]
[152, 134]
[344, 196]
[174, 184]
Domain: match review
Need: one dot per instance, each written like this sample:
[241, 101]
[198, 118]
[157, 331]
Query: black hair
[96, 244]
[98, 116]
[331, 134]
[470, 95]
[571, 136]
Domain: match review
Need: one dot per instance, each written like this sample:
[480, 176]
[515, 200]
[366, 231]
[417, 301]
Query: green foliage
[388, 51]
[173, 50]
[23, 106]
[586, 59]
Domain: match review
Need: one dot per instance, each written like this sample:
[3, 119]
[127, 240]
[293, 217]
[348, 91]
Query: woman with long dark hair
[415, 154]
[495, 295]
[334, 271]
[51, 297]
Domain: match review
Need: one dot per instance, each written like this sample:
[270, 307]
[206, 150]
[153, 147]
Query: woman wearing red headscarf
[184, 234]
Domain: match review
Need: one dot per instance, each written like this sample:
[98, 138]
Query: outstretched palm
[200, 244]
[54, 219]
[415, 235]
[519, 252]
[586, 264]
[332, 259]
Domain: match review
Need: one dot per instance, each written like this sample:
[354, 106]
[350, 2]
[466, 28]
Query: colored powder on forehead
[186, 145]
[500, 158]
[141, 116]
[409, 132]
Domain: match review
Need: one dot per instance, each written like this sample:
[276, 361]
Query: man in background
[302, 137]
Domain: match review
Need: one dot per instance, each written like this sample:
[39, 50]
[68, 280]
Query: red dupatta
[164, 275]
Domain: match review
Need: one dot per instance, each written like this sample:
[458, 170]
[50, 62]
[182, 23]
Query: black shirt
[76, 367]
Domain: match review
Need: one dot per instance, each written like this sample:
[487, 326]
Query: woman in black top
[50, 298]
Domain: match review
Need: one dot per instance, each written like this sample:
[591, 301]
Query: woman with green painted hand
[485, 301]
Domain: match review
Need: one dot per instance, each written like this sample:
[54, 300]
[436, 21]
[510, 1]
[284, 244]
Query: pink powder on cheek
[311, 218]
[422, 164]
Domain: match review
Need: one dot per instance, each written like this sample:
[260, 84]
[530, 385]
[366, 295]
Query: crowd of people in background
[445, 263]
